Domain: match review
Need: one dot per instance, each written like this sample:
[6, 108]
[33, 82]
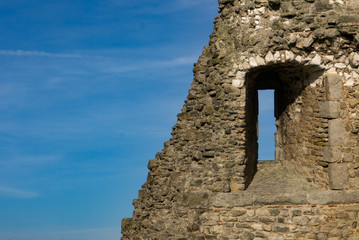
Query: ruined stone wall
[309, 48]
[283, 222]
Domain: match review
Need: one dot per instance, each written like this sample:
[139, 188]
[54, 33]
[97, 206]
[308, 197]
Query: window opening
[284, 83]
[266, 125]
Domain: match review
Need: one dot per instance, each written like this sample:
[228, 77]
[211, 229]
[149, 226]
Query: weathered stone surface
[338, 175]
[292, 222]
[233, 199]
[196, 199]
[126, 224]
[336, 132]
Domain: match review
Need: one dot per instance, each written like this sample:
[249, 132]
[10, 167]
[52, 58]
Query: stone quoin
[207, 182]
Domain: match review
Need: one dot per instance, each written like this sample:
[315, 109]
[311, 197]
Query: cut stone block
[332, 154]
[332, 197]
[329, 109]
[338, 176]
[348, 157]
[354, 183]
[333, 86]
[336, 132]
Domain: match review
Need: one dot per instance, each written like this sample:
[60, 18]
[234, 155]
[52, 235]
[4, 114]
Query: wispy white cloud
[185, 4]
[107, 121]
[93, 230]
[16, 193]
[152, 64]
[98, 119]
[31, 160]
[190, 3]
[43, 54]
[145, 64]
[106, 233]
[165, 7]
[176, 62]
[15, 167]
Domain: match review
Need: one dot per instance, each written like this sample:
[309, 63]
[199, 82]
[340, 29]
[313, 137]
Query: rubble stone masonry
[207, 182]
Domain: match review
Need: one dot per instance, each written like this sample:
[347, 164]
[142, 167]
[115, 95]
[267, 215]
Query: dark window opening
[284, 84]
[267, 82]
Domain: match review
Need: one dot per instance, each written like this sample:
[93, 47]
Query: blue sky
[266, 125]
[89, 91]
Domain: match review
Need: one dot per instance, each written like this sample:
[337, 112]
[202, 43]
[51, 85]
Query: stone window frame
[320, 73]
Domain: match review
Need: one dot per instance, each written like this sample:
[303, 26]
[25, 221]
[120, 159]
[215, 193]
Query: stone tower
[207, 183]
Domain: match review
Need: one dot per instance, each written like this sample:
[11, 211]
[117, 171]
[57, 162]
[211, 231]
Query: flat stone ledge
[333, 197]
[321, 197]
[279, 199]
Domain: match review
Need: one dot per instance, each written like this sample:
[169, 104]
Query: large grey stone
[329, 109]
[333, 86]
[338, 175]
[336, 132]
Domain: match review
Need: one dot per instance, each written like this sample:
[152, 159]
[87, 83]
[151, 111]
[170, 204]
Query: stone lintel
[333, 86]
[279, 199]
[329, 109]
[317, 197]
[333, 197]
[336, 132]
[338, 175]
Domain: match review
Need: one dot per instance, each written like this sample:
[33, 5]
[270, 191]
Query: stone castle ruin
[207, 183]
